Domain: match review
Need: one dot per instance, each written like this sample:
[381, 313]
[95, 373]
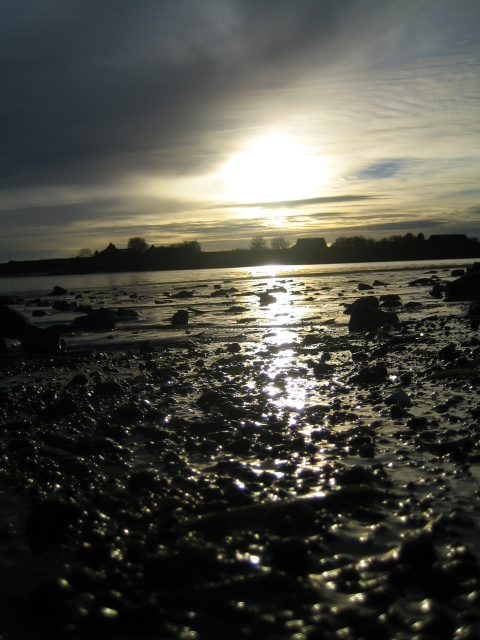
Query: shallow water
[304, 296]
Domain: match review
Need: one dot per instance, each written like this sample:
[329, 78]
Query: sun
[273, 169]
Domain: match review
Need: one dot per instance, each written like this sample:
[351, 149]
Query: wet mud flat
[296, 482]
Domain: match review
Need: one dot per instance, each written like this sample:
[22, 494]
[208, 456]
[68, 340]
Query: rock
[32, 338]
[182, 294]
[48, 523]
[400, 398]
[266, 298]
[370, 375]
[364, 318]
[38, 313]
[180, 318]
[236, 309]
[417, 551]
[366, 301]
[58, 291]
[437, 290]
[474, 310]
[391, 301]
[63, 305]
[96, 320]
[457, 273]
[234, 347]
[127, 314]
[219, 293]
[466, 287]
[421, 282]
[108, 388]
[363, 286]
[127, 414]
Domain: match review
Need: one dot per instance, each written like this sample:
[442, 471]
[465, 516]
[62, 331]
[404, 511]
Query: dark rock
[466, 287]
[63, 305]
[182, 295]
[108, 388]
[370, 375]
[236, 309]
[266, 298]
[180, 317]
[457, 273]
[418, 551]
[48, 523]
[354, 476]
[421, 282]
[219, 293]
[364, 318]
[474, 310]
[365, 301]
[363, 286]
[234, 347]
[96, 320]
[391, 301]
[38, 313]
[58, 291]
[437, 290]
[146, 347]
[126, 314]
[32, 338]
[322, 368]
[398, 397]
[127, 413]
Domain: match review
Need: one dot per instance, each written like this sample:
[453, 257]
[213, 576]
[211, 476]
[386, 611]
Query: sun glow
[274, 168]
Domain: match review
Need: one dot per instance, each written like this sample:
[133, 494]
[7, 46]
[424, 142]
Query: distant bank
[305, 251]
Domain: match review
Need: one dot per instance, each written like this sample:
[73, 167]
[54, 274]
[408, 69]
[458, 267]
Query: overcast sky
[221, 120]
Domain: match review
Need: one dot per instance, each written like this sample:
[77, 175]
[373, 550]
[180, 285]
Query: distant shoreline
[304, 252]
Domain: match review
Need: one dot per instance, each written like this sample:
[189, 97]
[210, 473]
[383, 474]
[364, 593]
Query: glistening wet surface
[261, 472]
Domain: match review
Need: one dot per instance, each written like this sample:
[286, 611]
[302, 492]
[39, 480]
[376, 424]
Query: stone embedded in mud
[180, 318]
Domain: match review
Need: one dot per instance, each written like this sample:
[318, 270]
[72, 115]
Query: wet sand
[275, 479]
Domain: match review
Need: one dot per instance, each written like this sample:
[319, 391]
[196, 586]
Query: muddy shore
[324, 485]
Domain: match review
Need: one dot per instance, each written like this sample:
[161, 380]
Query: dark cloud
[90, 89]
[292, 204]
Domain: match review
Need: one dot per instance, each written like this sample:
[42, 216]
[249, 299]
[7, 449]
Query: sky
[223, 120]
